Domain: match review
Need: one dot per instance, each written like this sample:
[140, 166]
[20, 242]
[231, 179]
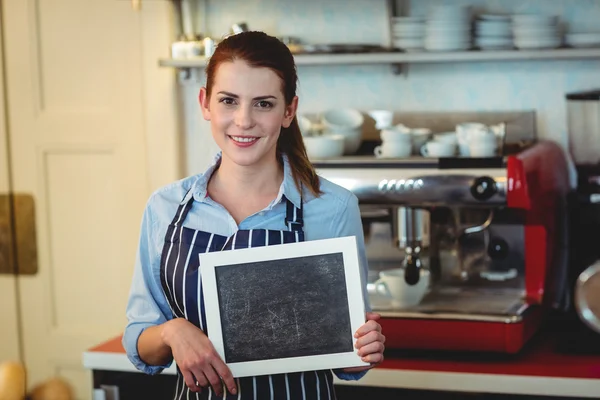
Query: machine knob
[498, 249]
[484, 188]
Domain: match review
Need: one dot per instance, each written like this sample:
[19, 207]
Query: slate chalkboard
[284, 308]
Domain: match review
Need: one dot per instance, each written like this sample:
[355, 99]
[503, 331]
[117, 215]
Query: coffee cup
[395, 135]
[446, 137]
[383, 118]
[482, 149]
[437, 148]
[393, 149]
[392, 286]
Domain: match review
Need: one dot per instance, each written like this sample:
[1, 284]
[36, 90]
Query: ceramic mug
[436, 148]
[477, 149]
[392, 286]
[393, 149]
[395, 135]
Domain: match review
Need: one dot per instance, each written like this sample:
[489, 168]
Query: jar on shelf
[196, 46]
[179, 48]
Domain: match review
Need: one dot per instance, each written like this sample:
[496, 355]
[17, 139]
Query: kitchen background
[470, 86]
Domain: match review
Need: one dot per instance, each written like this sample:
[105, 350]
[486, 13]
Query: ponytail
[291, 144]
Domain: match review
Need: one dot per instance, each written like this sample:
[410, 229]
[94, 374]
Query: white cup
[391, 285]
[437, 148]
[466, 129]
[393, 149]
[395, 135]
[446, 137]
[383, 118]
[482, 149]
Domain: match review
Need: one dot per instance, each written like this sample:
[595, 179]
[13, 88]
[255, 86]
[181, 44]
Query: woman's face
[247, 110]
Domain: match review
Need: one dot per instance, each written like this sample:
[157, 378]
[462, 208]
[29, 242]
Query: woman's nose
[243, 118]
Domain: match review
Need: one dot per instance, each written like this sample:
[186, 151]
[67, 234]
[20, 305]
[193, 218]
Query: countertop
[537, 370]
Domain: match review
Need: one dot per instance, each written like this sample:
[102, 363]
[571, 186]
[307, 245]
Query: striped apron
[180, 278]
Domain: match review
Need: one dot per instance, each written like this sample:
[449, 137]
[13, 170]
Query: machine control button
[390, 185]
[484, 188]
[498, 249]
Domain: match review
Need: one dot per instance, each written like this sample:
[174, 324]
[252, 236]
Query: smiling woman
[261, 191]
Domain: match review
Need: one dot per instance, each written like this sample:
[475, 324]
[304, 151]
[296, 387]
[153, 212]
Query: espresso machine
[490, 234]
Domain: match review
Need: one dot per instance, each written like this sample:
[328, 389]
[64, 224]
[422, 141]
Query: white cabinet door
[75, 90]
[9, 332]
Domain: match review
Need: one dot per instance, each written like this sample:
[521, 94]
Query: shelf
[416, 57]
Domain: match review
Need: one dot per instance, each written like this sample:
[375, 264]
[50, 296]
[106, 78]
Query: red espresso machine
[491, 234]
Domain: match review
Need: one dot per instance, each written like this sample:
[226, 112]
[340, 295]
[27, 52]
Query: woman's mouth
[243, 141]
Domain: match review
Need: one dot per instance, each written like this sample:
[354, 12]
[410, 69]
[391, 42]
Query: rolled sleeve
[147, 305]
[349, 377]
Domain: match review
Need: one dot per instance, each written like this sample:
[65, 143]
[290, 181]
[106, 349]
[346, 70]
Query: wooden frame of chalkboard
[285, 308]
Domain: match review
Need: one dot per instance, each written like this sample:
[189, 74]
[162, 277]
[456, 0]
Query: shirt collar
[288, 186]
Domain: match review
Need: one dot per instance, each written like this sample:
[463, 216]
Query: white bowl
[326, 146]
[342, 119]
[346, 122]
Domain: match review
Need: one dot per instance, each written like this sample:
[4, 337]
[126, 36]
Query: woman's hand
[369, 343]
[196, 357]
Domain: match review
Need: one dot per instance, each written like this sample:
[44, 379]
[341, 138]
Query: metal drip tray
[466, 303]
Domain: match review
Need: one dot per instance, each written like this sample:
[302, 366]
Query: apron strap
[293, 216]
[184, 208]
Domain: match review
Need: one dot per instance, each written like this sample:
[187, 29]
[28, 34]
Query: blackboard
[284, 308]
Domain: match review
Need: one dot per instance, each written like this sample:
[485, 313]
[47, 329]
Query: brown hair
[261, 50]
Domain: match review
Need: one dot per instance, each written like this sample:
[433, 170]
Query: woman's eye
[264, 104]
[227, 100]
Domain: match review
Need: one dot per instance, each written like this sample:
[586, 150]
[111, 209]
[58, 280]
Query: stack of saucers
[408, 33]
[493, 32]
[536, 31]
[448, 28]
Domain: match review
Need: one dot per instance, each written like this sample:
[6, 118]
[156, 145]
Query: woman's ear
[204, 103]
[290, 113]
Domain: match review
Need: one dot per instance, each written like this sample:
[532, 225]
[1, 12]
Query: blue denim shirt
[333, 214]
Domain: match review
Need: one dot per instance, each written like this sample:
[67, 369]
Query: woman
[262, 181]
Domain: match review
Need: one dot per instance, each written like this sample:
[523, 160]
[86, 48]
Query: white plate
[582, 39]
[493, 41]
[448, 46]
[495, 17]
[407, 20]
[447, 40]
[537, 44]
[534, 19]
[536, 38]
[534, 30]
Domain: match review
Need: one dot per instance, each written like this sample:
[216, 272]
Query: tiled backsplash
[489, 86]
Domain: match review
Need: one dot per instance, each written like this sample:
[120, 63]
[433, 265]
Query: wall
[522, 85]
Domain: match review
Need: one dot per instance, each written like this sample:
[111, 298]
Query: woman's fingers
[374, 347]
[190, 380]
[370, 337]
[225, 373]
[214, 379]
[367, 327]
[373, 316]
[373, 358]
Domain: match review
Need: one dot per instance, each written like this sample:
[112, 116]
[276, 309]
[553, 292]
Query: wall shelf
[399, 58]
